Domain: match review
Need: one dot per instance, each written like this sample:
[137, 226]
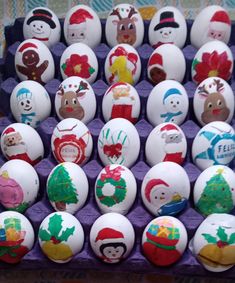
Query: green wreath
[117, 197]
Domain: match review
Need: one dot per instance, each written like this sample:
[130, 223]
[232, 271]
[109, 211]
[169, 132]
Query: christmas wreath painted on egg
[112, 177]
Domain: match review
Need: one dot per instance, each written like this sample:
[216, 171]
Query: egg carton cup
[138, 215]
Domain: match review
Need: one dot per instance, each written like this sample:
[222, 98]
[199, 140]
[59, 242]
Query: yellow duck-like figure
[119, 68]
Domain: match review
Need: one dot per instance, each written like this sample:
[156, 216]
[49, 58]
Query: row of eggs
[34, 61]
[112, 238]
[125, 25]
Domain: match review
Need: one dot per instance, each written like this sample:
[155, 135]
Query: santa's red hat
[27, 45]
[8, 131]
[220, 20]
[156, 59]
[79, 17]
[108, 234]
[169, 127]
[152, 183]
[116, 85]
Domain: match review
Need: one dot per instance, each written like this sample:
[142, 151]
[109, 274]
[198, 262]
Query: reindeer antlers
[60, 90]
[82, 86]
[115, 12]
[132, 12]
[219, 85]
[203, 91]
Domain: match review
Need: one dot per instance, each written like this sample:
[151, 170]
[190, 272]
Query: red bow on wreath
[114, 174]
[113, 150]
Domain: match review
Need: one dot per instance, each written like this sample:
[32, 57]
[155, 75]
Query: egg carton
[138, 215]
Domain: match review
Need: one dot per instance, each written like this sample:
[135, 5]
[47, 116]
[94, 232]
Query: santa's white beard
[174, 147]
[123, 101]
[15, 149]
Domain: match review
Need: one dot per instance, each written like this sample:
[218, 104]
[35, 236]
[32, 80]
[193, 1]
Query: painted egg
[163, 193]
[79, 60]
[71, 141]
[213, 59]
[212, 23]
[60, 236]
[19, 185]
[164, 240]
[33, 61]
[16, 236]
[20, 141]
[167, 102]
[124, 24]
[167, 26]
[214, 242]
[115, 189]
[75, 98]
[167, 62]
[214, 144]
[112, 237]
[82, 24]
[121, 100]
[122, 65]
[170, 142]
[42, 24]
[214, 190]
[30, 103]
[213, 101]
[67, 187]
[118, 143]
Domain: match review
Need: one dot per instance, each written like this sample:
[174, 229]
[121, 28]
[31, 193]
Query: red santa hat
[220, 20]
[156, 59]
[152, 183]
[79, 17]
[170, 128]
[116, 85]
[9, 131]
[27, 45]
[107, 234]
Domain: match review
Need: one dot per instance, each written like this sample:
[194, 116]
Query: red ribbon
[113, 150]
[114, 174]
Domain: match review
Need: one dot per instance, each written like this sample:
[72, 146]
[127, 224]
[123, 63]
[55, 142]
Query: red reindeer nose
[216, 111]
[69, 109]
[126, 36]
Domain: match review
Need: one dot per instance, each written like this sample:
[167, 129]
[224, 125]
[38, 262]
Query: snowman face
[40, 29]
[173, 103]
[26, 105]
[166, 34]
[216, 34]
[160, 196]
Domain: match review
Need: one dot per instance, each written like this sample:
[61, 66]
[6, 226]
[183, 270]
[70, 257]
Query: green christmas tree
[61, 189]
[216, 197]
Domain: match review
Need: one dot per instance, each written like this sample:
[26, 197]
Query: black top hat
[42, 15]
[166, 20]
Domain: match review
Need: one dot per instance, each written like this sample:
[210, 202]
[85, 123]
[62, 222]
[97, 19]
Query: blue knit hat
[170, 92]
[23, 93]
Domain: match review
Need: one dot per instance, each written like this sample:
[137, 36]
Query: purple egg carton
[138, 215]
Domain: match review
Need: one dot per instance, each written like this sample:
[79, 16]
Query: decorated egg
[82, 24]
[33, 61]
[118, 143]
[170, 142]
[71, 141]
[214, 144]
[163, 193]
[67, 187]
[19, 185]
[212, 23]
[16, 236]
[213, 101]
[122, 64]
[112, 237]
[214, 242]
[167, 26]
[164, 240]
[115, 189]
[30, 103]
[167, 62]
[214, 190]
[79, 60]
[60, 236]
[20, 141]
[213, 59]
[42, 24]
[124, 24]
[75, 98]
[167, 102]
[121, 100]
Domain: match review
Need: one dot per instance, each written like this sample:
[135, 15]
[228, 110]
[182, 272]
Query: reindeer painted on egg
[70, 106]
[215, 108]
[126, 28]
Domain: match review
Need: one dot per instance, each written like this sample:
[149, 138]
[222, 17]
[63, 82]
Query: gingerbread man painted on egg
[32, 69]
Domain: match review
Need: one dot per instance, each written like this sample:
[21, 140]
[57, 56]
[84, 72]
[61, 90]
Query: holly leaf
[44, 235]
[91, 70]
[231, 239]
[210, 239]
[66, 234]
[195, 62]
[63, 66]
[55, 225]
[222, 235]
